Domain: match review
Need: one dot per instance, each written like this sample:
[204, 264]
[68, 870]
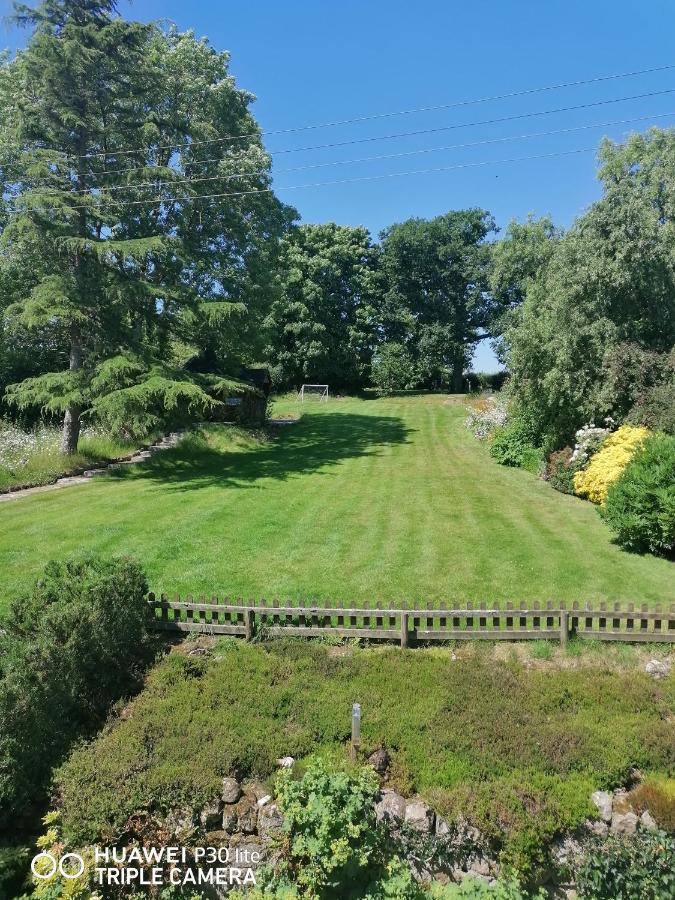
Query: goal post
[319, 391]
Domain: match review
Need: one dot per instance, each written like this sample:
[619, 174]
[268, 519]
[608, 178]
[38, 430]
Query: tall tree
[437, 300]
[117, 137]
[608, 289]
[323, 324]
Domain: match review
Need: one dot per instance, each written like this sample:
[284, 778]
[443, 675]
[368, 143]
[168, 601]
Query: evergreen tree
[109, 122]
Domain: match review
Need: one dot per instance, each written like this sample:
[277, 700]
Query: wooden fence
[507, 621]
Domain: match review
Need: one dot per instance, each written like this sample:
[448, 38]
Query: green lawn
[364, 499]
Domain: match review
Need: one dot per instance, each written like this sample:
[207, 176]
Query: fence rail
[406, 625]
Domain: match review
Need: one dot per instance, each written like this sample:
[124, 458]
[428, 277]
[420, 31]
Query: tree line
[144, 257]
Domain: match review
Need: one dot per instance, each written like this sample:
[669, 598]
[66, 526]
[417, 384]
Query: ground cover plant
[516, 749]
[34, 457]
[373, 499]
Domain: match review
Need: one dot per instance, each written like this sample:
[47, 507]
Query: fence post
[249, 623]
[404, 628]
[564, 628]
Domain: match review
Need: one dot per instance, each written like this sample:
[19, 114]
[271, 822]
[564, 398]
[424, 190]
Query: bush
[607, 464]
[620, 868]
[640, 505]
[334, 846]
[486, 415]
[509, 748]
[560, 470]
[656, 409]
[513, 445]
[657, 795]
[73, 647]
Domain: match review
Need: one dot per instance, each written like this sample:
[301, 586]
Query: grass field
[362, 500]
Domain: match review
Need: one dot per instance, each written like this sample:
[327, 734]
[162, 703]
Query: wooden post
[564, 628]
[249, 623]
[404, 628]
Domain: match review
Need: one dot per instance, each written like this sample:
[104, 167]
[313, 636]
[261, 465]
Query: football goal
[318, 391]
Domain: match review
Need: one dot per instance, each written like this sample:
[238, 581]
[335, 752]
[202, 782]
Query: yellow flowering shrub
[605, 466]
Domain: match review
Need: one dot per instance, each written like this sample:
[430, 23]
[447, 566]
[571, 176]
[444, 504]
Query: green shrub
[560, 470]
[510, 748]
[334, 846]
[620, 868]
[513, 445]
[72, 648]
[640, 505]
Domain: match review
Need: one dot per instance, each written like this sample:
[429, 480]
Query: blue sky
[311, 62]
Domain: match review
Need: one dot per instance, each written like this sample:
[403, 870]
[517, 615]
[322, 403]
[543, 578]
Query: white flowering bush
[588, 440]
[17, 446]
[486, 415]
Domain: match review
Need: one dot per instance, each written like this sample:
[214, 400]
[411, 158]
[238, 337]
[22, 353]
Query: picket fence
[408, 624]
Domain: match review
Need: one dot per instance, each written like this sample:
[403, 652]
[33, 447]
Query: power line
[500, 120]
[384, 156]
[296, 187]
[402, 112]
[442, 128]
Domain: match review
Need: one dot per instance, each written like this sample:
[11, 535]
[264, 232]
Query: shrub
[588, 440]
[655, 409]
[513, 446]
[73, 647]
[607, 464]
[657, 795]
[486, 415]
[560, 470]
[334, 846]
[620, 868]
[509, 748]
[640, 505]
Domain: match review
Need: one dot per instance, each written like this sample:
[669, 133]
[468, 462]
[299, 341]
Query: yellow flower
[607, 464]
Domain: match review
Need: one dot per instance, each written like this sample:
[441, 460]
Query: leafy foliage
[322, 325]
[606, 294]
[513, 445]
[640, 504]
[99, 261]
[393, 369]
[621, 868]
[436, 301]
[515, 751]
[70, 649]
[607, 464]
[560, 470]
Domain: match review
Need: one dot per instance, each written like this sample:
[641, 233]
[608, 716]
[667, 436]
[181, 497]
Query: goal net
[313, 391]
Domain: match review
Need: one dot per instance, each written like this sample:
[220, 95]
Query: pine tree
[107, 119]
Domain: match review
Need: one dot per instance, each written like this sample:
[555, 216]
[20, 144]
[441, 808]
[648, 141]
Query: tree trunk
[71, 420]
[458, 375]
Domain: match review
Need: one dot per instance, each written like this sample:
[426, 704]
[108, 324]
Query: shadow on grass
[316, 442]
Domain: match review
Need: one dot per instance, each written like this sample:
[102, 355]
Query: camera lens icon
[65, 868]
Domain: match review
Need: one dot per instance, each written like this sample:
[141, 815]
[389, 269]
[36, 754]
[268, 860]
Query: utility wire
[401, 112]
[296, 187]
[442, 128]
[379, 157]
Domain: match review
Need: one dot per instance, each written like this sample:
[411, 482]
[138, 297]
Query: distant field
[362, 500]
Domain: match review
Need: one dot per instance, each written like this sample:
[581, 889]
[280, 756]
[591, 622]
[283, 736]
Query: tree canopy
[115, 137]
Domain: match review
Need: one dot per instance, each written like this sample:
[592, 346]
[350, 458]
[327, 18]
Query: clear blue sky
[312, 62]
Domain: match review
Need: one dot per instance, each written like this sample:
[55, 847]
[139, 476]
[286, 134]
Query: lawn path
[362, 500]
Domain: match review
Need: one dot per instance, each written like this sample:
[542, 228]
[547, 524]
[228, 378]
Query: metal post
[356, 730]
